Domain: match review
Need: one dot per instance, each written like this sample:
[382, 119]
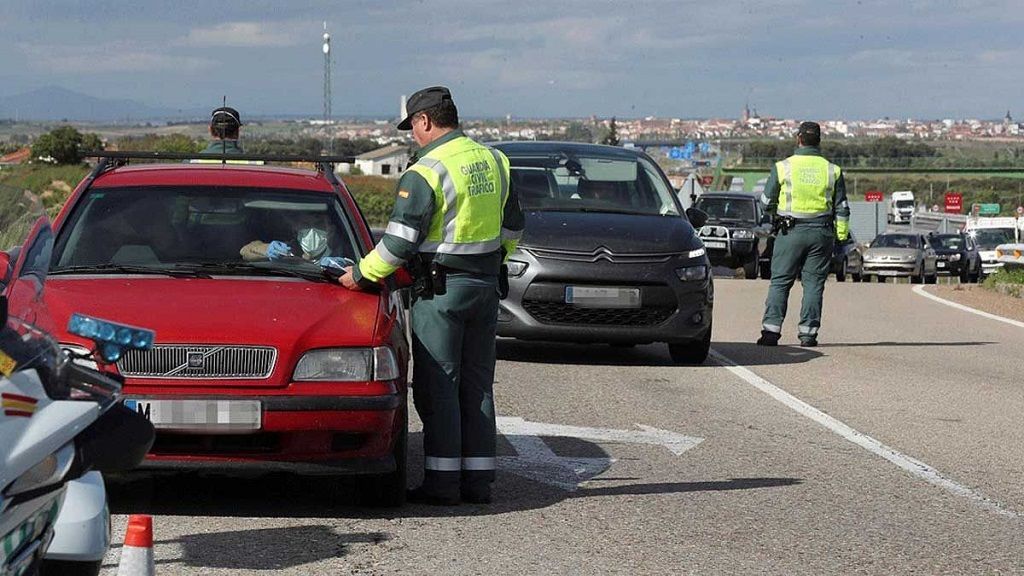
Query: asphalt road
[749, 481]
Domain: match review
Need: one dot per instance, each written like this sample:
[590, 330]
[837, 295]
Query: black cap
[225, 115]
[422, 100]
[809, 129]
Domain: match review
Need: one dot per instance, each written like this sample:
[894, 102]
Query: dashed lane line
[907, 463]
[920, 290]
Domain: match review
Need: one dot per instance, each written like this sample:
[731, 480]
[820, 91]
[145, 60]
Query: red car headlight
[347, 365]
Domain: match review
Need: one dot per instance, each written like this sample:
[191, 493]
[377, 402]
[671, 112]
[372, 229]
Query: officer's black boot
[768, 338]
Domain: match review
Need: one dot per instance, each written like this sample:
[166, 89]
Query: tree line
[66, 145]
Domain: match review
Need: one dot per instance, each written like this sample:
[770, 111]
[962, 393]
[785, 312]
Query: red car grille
[199, 361]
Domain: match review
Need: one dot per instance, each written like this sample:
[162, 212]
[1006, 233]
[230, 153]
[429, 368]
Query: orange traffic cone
[137, 554]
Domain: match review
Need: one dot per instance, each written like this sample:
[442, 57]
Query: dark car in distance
[730, 233]
[957, 255]
[608, 254]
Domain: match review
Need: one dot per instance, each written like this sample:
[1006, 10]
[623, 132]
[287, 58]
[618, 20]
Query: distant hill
[55, 103]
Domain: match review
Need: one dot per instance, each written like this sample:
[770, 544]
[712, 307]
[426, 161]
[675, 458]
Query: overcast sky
[791, 58]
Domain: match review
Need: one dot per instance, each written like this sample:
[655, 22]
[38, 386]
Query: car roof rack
[111, 159]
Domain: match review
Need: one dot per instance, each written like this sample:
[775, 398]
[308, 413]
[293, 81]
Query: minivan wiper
[129, 269]
[253, 268]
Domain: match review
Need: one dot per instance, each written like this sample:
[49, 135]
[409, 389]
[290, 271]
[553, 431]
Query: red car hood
[292, 315]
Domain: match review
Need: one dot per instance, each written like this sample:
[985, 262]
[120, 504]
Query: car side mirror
[697, 217]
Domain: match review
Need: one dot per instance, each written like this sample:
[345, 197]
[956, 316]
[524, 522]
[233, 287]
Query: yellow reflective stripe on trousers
[439, 464]
[479, 463]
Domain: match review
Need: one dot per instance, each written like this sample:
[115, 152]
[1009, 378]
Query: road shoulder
[981, 299]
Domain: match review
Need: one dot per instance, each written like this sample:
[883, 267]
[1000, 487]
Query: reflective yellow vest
[470, 184]
[807, 186]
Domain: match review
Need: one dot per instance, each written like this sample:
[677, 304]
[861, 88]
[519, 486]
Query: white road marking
[920, 290]
[911, 465]
[536, 460]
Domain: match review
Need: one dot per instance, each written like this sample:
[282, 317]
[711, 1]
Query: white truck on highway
[901, 207]
[989, 233]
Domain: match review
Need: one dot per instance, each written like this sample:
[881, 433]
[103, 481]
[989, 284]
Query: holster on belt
[430, 278]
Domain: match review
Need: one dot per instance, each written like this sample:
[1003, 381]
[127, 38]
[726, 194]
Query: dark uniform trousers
[453, 381]
[806, 250]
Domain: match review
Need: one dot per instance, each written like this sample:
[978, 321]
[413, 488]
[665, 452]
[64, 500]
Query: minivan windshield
[581, 183]
[202, 228]
[896, 241]
[727, 208]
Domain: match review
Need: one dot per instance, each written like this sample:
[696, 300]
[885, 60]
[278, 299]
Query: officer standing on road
[806, 196]
[455, 221]
[225, 126]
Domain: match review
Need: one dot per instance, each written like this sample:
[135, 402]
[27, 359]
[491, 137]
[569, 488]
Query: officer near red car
[806, 196]
[456, 219]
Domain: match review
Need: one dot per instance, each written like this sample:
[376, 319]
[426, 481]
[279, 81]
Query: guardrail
[937, 222]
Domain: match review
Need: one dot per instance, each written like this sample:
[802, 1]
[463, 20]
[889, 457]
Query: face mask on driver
[313, 242]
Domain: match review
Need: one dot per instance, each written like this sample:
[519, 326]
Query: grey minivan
[608, 254]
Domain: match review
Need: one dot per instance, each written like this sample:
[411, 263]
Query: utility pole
[327, 89]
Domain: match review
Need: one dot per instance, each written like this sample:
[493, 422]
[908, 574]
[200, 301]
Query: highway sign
[975, 209]
[1020, 210]
[873, 196]
[708, 180]
[988, 209]
[935, 207]
[954, 202]
[675, 153]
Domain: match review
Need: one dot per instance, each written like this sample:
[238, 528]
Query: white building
[388, 161]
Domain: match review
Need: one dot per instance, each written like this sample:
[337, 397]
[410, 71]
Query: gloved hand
[339, 262]
[277, 250]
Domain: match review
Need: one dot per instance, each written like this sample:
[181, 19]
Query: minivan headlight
[347, 365]
[692, 273]
[516, 268]
[743, 234]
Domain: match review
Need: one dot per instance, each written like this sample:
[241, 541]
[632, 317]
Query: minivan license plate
[600, 297]
[200, 415]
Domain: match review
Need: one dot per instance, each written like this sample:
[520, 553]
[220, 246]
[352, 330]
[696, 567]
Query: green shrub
[375, 196]
[1007, 281]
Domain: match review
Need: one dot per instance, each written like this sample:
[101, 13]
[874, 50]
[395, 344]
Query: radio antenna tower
[327, 75]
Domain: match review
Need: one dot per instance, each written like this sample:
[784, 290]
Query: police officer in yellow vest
[806, 196]
[455, 221]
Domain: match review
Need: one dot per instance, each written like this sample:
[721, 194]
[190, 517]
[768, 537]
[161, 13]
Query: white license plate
[940, 264]
[714, 244]
[888, 273]
[200, 415]
[594, 297]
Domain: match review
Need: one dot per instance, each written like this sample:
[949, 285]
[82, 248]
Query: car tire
[880, 279]
[692, 353]
[70, 568]
[766, 271]
[917, 278]
[856, 276]
[388, 490]
[965, 275]
[750, 268]
[841, 272]
[934, 278]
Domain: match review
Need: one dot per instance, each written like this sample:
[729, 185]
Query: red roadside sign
[873, 196]
[954, 202]
[706, 180]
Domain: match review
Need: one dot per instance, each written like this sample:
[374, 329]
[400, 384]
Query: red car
[260, 361]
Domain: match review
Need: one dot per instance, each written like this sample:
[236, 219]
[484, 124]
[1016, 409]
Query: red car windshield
[175, 227]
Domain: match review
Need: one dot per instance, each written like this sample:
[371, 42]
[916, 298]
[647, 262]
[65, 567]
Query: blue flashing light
[111, 339]
[111, 352]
